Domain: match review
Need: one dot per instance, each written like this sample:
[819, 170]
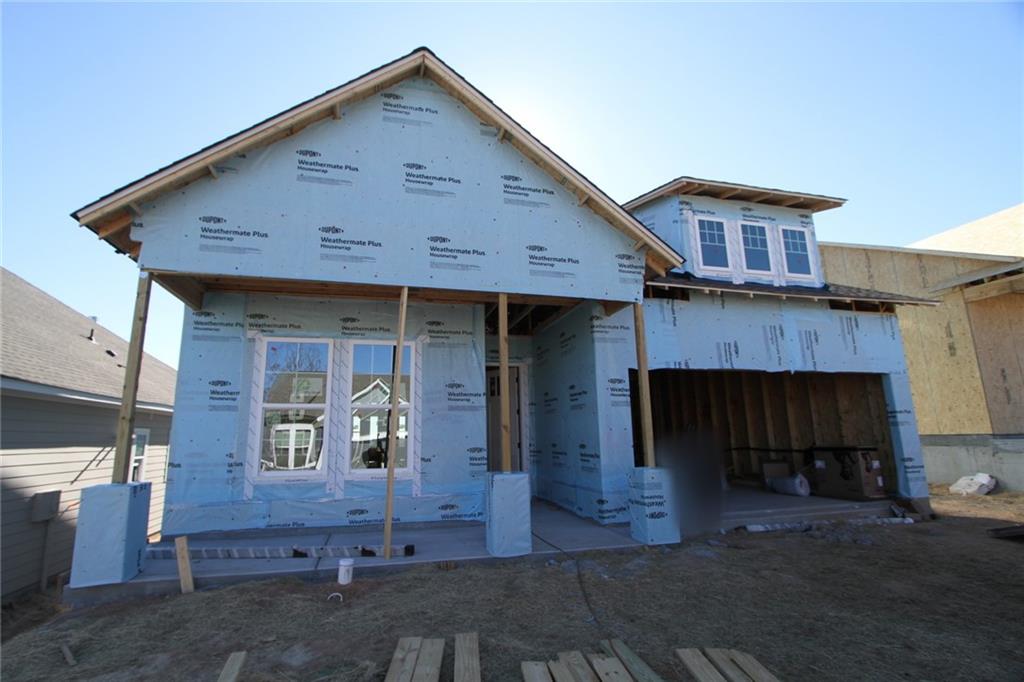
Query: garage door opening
[750, 426]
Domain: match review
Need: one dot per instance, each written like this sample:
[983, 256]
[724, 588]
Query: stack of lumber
[619, 663]
[419, 660]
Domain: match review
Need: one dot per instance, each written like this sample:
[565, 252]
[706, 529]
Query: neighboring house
[296, 243]
[966, 356]
[62, 376]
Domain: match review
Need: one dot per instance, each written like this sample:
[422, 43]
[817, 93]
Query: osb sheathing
[999, 338]
[946, 381]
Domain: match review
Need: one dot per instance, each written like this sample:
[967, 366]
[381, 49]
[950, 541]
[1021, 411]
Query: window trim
[810, 253]
[299, 474]
[728, 268]
[409, 470]
[143, 459]
[768, 247]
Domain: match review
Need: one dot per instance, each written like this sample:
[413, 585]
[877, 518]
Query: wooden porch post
[396, 383]
[503, 385]
[644, 385]
[133, 364]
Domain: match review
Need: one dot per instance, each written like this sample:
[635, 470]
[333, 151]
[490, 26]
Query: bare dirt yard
[929, 601]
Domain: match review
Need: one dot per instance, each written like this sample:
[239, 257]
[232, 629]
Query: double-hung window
[713, 252]
[755, 248]
[372, 374]
[293, 417]
[798, 259]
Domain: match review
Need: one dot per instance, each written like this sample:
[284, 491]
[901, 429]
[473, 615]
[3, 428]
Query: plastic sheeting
[213, 477]
[509, 529]
[408, 189]
[653, 517]
[110, 538]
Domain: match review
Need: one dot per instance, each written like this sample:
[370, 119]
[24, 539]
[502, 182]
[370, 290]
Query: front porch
[223, 558]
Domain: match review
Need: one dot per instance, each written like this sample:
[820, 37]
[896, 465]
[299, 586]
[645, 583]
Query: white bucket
[345, 571]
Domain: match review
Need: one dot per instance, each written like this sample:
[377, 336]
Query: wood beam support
[643, 385]
[504, 385]
[114, 226]
[133, 364]
[396, 383]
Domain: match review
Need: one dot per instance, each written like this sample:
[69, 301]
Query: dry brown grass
[931, 601]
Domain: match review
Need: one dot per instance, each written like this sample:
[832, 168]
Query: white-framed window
[713, 250]
[295, 390]
[140, 444]
[372, 375]
[756, 256]
[796, 252]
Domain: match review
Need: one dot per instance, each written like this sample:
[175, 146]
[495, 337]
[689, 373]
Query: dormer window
[798, 260]
[755, 248]
[713, 253]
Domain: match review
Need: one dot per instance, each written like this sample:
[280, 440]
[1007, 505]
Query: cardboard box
[848, 474]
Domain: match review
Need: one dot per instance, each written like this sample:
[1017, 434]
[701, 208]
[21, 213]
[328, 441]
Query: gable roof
[109, 215]
[716, 189]
[46, 343]
[1001, 233]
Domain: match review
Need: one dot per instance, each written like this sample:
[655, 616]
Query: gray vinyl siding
[49, 445]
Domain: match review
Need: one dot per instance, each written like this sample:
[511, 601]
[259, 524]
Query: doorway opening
[494, 418]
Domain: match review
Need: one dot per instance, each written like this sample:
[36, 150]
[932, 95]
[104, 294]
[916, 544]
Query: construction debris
[978, 484]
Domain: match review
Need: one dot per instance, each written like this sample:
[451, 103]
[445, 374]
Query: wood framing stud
[504, 385]
[392, 451]
[133, 364]
[336, 111]
[501, 134]
[643, 385]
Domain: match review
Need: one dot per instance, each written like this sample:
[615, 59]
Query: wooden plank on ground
[752, 667]
[609, 668]
[535, 671]
[403, 661]
[699, 666]
[636, 666]
[722, 658]
[560, 672]
[184, 564]
[578, 666]
[233, 668]
[467, 657]
[428, 662]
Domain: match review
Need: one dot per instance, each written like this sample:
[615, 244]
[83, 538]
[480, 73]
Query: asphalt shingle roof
[46, 342]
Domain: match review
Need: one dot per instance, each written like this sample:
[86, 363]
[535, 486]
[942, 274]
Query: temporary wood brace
[184, 564]
[644, 385]
[133, 364]
[396, 378]
[504, 384]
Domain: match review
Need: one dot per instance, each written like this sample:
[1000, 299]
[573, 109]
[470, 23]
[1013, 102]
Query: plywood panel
[938, 344]
[998, 325]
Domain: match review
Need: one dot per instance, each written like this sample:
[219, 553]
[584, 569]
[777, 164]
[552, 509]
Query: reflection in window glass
[292, 439]
[798, 261]
[296, 373]
[372, 366]
[295, 384]
[755, 248]
[713, 251]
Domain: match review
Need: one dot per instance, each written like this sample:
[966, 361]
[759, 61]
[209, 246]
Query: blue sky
[912, 112]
